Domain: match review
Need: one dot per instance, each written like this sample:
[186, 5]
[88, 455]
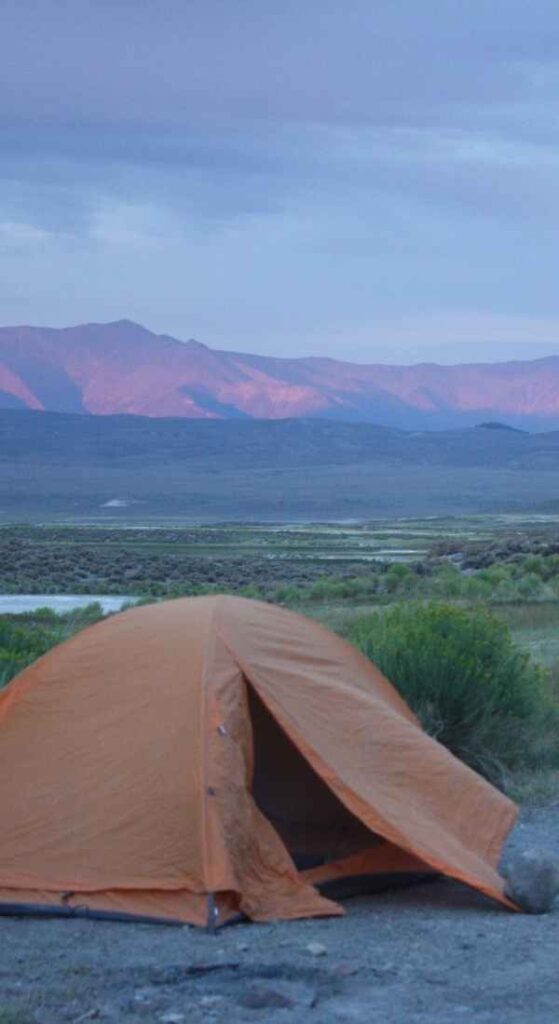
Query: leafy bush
[24, 638]
[470, 686]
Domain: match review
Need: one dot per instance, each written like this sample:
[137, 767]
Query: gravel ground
[437, 953]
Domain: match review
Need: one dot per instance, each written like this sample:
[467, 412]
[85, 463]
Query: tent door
[312, 822]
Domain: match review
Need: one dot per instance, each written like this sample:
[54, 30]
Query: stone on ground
[532, 878]
[316, 949]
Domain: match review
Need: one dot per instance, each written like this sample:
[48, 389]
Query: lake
[18, 603]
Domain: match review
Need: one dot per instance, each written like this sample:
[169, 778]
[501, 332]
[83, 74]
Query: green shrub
[288, 594]
[448, 582]
[24, 638]
[249, 590]
[470, 686]
[398, 579]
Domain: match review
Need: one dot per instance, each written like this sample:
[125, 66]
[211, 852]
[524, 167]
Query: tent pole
[213, 913]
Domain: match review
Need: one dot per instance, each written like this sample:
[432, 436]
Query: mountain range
[122, 368]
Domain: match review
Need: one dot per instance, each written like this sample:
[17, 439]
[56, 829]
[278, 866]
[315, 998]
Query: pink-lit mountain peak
[122, 367]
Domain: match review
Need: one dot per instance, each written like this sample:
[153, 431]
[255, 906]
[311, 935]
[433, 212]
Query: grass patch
[536, 788]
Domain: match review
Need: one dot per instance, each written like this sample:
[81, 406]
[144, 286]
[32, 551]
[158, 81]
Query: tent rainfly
[202, 758]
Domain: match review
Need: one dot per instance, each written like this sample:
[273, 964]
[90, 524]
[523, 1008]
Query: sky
[374, 180]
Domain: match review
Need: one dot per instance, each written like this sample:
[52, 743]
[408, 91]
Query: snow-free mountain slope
[123, 368]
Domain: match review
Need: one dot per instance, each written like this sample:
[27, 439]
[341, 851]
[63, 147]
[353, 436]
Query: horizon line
[257, 355]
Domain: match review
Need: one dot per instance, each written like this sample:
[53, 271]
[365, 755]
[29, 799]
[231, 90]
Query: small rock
[211, 1000]
[532, 880]
[316, 949]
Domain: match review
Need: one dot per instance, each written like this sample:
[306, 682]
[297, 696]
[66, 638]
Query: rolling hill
[122, 368]
[64, 466]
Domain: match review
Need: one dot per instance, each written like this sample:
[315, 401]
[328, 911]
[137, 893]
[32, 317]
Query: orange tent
[175, 761]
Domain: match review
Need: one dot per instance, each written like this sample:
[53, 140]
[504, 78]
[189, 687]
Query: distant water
[17, 603]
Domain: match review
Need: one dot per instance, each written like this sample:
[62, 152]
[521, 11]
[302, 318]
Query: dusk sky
[375, 180]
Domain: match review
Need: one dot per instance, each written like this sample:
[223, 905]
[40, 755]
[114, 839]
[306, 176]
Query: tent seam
[213, 632]
[204, 756]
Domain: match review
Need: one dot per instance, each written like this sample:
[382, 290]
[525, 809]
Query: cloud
[318, 61]
[14, 234]
[273, 175]
[128, 225]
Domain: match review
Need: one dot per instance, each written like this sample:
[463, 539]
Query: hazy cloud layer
[375, 180]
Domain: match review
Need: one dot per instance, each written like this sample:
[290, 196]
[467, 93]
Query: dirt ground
[436, 953]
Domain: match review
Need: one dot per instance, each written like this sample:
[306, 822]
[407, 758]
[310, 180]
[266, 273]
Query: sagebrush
[471, 687]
